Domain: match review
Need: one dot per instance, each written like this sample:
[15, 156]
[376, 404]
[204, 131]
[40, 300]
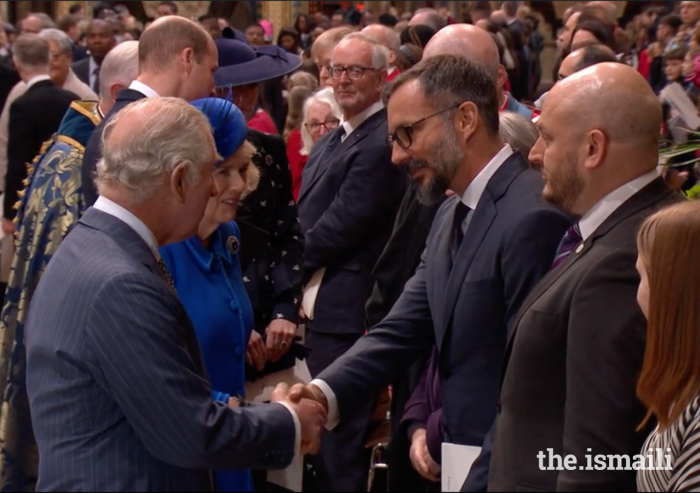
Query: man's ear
[178, 182]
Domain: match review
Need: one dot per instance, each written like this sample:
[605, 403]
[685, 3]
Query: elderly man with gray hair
[350, 193]
[392, 41]
[116, 381]
[51, 206]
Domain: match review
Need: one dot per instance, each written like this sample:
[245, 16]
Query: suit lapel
[334, 148]
[443, 264]
[653, 193]
[482, 219]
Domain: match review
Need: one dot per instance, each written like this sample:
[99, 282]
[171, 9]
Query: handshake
[311, 407]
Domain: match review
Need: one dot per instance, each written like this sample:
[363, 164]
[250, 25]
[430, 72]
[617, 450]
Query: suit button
[234, 306]
[498, 407]
[238, 351]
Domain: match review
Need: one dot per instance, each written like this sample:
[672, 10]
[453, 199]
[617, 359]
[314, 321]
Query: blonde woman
[206, 272]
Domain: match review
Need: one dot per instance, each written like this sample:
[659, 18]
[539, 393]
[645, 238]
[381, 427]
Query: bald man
[568, 386]
[585, 57]
[477, 45]
[389, 38]
[428, 17]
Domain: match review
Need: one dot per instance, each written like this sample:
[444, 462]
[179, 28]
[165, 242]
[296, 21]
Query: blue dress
[209, 284]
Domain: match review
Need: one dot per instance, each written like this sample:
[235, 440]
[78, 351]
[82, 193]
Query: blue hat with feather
[227, 122]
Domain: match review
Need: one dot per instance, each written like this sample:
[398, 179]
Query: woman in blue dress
[206, 271]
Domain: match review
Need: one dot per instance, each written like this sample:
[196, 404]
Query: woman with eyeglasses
[320, 115]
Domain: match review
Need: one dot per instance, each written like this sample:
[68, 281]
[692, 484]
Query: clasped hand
[311, 412]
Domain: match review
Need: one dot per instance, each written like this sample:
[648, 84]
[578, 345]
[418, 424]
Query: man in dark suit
[578, 343]
[117, 386]
[100, 40]
[488, 246]
[169, 47]
[34, 116]
[349, 197]
[8, 79]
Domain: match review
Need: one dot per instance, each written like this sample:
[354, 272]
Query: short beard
[565, 185]
[447, 158]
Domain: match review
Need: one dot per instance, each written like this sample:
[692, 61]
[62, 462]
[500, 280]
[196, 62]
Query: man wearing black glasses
[349, 196]
[489, 245]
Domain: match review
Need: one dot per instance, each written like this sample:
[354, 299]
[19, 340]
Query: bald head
[615, 99]
[470, 42]
[167, 37]
[387, 37]
[428, 17]
[584, 57]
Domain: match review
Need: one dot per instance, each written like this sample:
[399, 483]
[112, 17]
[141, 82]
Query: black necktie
[461, 212]
[96, 81]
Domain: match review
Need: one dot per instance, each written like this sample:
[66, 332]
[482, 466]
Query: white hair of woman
[518, 132]
[65, 44]
[324, 96]
[163, 133]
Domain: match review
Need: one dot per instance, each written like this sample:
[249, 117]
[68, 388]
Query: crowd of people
[230, 264]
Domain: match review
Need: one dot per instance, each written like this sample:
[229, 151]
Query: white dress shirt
[36, 79]
[143, 89]
[353, 123]
[113, 209]
[471, 199]
[611, 202]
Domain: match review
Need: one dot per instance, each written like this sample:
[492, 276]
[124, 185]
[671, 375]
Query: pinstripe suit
[116, 382]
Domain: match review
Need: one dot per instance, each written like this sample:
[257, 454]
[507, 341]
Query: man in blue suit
[118, 391]
[489, 245]
[348, 201]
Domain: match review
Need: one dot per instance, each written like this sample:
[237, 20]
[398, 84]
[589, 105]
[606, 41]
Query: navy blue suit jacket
[350, 194]
[117, 386]
[465, 309]
[93, 151]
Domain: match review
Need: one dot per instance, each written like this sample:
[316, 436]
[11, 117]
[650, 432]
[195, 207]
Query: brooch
[233, 245]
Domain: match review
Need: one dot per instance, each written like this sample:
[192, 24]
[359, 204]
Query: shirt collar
[143, 89]
[353, 123]
[391, 70]
[93, 65]
[476, 188]
[36, 79]
[611, 202]
[113, 209]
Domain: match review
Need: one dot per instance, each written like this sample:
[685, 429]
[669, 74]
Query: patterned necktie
[572, 237]
[461, 212]
[166, 274]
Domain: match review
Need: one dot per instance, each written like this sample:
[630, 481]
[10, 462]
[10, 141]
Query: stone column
[4, 12]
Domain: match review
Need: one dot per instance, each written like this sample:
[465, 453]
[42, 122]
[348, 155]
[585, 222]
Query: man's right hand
[301, 391]
[312, 417]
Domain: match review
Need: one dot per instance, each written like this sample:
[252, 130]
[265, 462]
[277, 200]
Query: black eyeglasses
[403, 135]
[355, 72]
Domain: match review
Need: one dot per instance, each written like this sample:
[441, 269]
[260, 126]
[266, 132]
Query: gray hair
[380, 53]
[324, 96]
[518, 132]
[65, 44]
[157, 135]
[31, 51]
[120, 66]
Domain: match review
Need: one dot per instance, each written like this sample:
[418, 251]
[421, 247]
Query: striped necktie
[572, 237]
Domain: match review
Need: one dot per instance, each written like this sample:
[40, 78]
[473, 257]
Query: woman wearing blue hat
[274, 279]
[207, 275]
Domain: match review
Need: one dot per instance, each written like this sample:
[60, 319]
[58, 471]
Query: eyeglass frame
[323, 124]
[331, 71]
[392, 137]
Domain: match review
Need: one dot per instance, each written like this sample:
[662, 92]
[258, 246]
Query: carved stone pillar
[279, 14]
[4, 12]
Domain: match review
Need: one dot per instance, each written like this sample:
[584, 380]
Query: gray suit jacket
[573, 361]
[118, 391]
[508, 247]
